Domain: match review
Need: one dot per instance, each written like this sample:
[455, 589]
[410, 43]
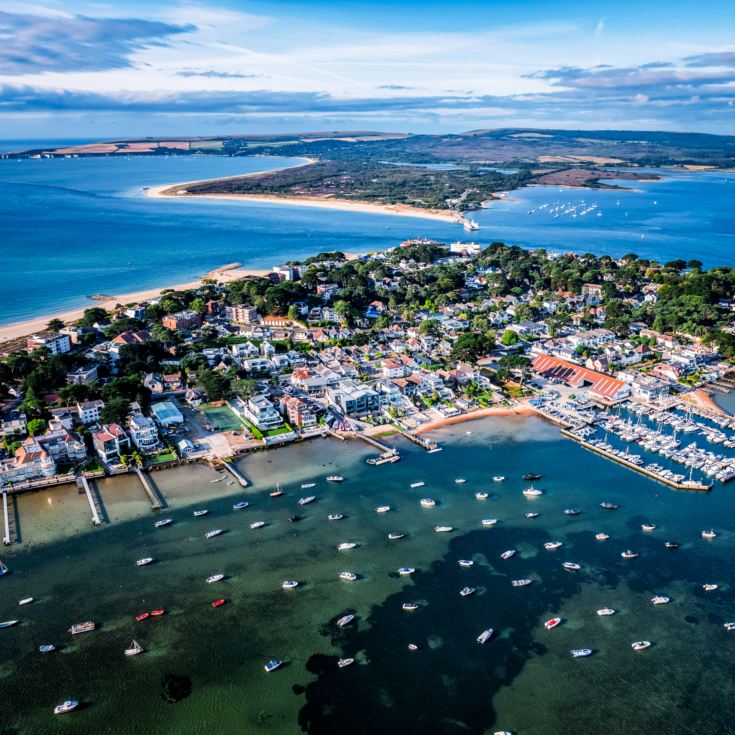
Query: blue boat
[273, 665]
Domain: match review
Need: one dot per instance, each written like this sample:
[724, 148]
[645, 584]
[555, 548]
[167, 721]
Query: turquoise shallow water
[202, 670]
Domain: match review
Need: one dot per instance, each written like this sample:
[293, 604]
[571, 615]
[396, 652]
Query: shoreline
[520, 409]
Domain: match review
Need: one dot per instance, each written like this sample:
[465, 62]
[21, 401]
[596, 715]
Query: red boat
[218, 603]
[156, 613]
[552, 623]
[142, 616]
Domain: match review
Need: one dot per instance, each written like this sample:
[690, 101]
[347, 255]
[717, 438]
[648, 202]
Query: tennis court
[222, 418]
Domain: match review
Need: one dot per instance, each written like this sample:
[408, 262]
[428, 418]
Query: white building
[89, 411]
[144, 434]
[56, 344]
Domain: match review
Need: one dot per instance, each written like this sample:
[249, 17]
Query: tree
[55, 325]
[471, 345]
[293, 313]
[92, 316]
[115, 410]
[509, 338]
[36, 427]
[430, 327]
[215, 384]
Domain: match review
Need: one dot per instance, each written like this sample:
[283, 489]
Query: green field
[222, 418]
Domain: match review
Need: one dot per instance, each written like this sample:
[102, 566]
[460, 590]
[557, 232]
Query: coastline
[520, 409]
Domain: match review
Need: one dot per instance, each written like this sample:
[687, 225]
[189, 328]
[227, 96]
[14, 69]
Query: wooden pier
[230, 467]
[82, 483]
[6, 518]
[426, 444]
[150, 492]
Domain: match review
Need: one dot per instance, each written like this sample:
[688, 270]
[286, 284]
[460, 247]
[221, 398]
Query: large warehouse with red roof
[598, 385]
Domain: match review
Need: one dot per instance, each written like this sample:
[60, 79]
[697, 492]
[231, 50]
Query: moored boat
[648, 527]
[571, 512]
[531, 515]
[481, 496]
[467, 591]
[219, 603]
[213, 533]
[521, 582]
[308, 499]
[671, 545]
[335, 517]
[142, 616]
[257, 524]
[551, 545]
[571, 566]
[382, 509]
[3, 569]
[417, 484]
[157, 613]
[394, 536]
[343, 662]
[25, 601]
[241, 505]
[272, 665]
[443, 529]
[729, 626]
[427, 503]
[163, 522]
[82, 627]
[489, 521]
[551, 623]
[710, 587]
[8, 624]
[640, 645]
[345, 545]
[601, 537]
[47, 648]
[276, 492]
[215, 578]
[531, 477]
[307, 485]
[485, 636]
[406, 571]
[289, 584]
[532, 492]
[507, 554]
[609, 506]
[69, 706]
[335, 478]
[144, 562]
[200, 513]
[347, 576]
[133, 649]
[660, 600]
[709, 534]
[409, 606]
[580, 652]
[460, 480]
[465, 563]
[345, 620]
[629, 554]
[605, 612]
[498, 478]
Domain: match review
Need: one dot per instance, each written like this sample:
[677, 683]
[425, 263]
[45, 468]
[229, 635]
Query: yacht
[395, 536]
[335, 517]
[8, 624]
[345, 620]
[427, 503]
[552, 623]
[199, 513]
[467, 591]
[213, 533]
[345, 545]
[485, 636]
[69, 706]
[640, 645]
[417, 484]
[163, 522]
[257, 524]
[601, 536]
[465, 563]
[580, 652]
[241, 505]
[273, 665]
[443, 529]
[571, 566]
[489, 521]
[345, 662]
[648, 527]
[671, 545]
[347, 576]
[289, 584]
[82, 628]
[571, 512]
[307, 500]
[481, 496]
[498, 478]
[508, 554]
[710, 587]
[144, 562]
[531, 515]
[134, 649]
[605, 612]
[276, 492]
[551, 545]
[25, 601]
[335, 478]
[521, 582]
[47, 648]
[406, 571]
[215, 578]
[382, 509]
[629, 554]
[409, 606]
[709, 534]
[609, 506]
[660, 600]
[532, 492]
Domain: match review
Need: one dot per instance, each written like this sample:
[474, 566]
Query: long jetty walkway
[427, 444]
[6, 519]
[150, 492]
[82, 482]
[230, 467]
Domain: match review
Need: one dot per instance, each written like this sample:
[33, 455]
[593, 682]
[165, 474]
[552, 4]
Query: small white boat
[345, 545]
[69, 706]
[709, 534]
[521, 582]
[343, 662]
[443, 529]
[551, 545]
[532, 492]
[273, 665]
[467, 591]
[406, 571]
[289, 584]
[427, 503]
[409, 606]
[729, 626]
[335, 478]
[481, 496]
[47, 648]
[3, 569]
[571, 512]
[705, 587]
[489, 521]
[571, 566]
[465, 563]
[25, 601]
[345, 620]
[134, 649]
[307, 500]
[144, 562]
[213, 533]
[660, 600]
[640, 645]
[629, 554]
[200, 513]
[8, 623]
[532, 515]
[552, 623]
[335, 517]
[580, 652]
[460, 480]
[417, 484]
[508, 554]
[215, 578]
[485, 636]
[219, 479]
[347, 576]
[395, 536]
[648, 527]
[413, 647]
[307, 485]
[241, 505]
[163, 522]
[601, 536]
[498, 478]
[257, 524]
[605, 612]
[382, 509]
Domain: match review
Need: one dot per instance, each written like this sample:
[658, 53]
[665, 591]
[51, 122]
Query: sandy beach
[702, 400]
[520, 409]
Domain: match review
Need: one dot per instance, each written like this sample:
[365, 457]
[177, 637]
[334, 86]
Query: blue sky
[103, 69]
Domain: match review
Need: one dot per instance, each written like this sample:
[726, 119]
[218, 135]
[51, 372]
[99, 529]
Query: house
[393, 369]
[31, 461]
[166, 414]
[531, 329]
[244, 351]
[142, 337]
[143, 432]
[598, 385]
[193, 397]
[82, 376]
[154, 383]
[242, 314]
[591, 338]
[65, 415]
[110, 442]
[326, 291]
[465, 248]
[257, 365]
[353, 399]
[136, 312]
[646, 387]
[592, 293]
[89, 411]
[298, 412]
[186, 320]
[13, 423]
[259, 411]
[56, 344]
[184, 447]
[314, 381]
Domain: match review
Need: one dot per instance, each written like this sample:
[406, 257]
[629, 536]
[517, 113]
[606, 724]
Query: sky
[96, 70]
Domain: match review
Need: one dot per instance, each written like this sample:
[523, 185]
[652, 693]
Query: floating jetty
[150, 492]
[687, 485]
[426, 444]
[6, 535]
[82, 483]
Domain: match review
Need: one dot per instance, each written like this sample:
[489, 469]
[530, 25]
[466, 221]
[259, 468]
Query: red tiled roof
[576, 376]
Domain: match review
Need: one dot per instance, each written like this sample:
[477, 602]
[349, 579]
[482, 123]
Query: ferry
[485, 636]
[69, 706]
[471, 225]
[489, 521]
[47, 648]
[601, 536]
[481, 496]
[345, 662]
[335, 517]
[427, 503]
[531, 516]
[551, 545]
[308, 499]
[648, 527]
[347, 576]
[215, 578]
[307, 485]
[133, 649]
[605, 612]
[508, 554]
[200, 513]
[25, 601]
[8, 624]
[460, 481]
[629, 554]
[660, 600]
[345, 620]
[571, 512]
[345, 545]
[409, 606]
[382, 509]
[213, 533]
[521, 582]
[417, 484]
[580, 652]
[241, 505]
[143, 616]
[289, 584]
[144, 562]
[671, 545]
[532, 492]
[257, 524]
[395, 536]
[163, 522]
[709, 534]
[609, 506]
[467, 591]
[498, 478]
[273, 665]
[710, 587]
[82, 627]
[640, 645]
[335, 478]
[552, 623]
[443, 529]
[466, 563]
[406, 571]
[219, 603]
[571, 566]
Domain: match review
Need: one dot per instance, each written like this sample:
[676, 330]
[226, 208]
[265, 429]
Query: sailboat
[277, 491]
[134, 649]
[3, 569]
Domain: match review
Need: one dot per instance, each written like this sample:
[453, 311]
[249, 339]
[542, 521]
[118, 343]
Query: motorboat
[25, 601]
[489, 521]
[443, 529]
[217, 479]
[671, 545]
[133, 649]
[609, 506]
[307, 485]
[257, 524]
[382, 509]
[200, 513]
[69, 706]
[709, 534]
[532, 492]
[143, 616]
[460, 481]
[163, 522]
[710, 587]
[144, 562]
[427, 503]
[78, 628]
[481, 496]
[47, 648]
[552, 623]
[335, 517]
[8, 624]
[335, 478]
[415, 647]
[467, 591]
[485, 636]
[552, 545]
[530, 477]
[395, 536]
[215, 578]
[605, 612]
[532, 515]
[289, 584]
[571, 566]
[345, 620]
[406, 571]
[465, 563]
[498, 478]
[157, 613]
[729, 626]
[601, 537]
[571, 512]
[273, 665]
[417, 484]
[580, 652]
[345, 545]
[343, 662]
[219, 603]
[640, 645]
[347, 576]
[629, 554]
[213, 533]
[409, 606]
[508, 554]
[521, 582]
[308, 499]
[648, 527]
[660, 600]
[241, 505]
